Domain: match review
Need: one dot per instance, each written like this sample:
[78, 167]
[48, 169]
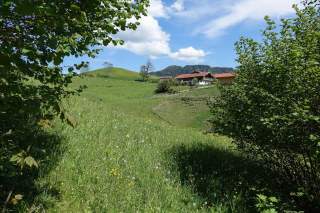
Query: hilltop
[113, 72]
[117, 73]
[176, 70]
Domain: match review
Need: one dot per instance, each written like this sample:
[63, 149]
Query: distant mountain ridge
[177, 70]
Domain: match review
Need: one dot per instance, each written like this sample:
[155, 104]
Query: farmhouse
[224, 78]
[204, 78]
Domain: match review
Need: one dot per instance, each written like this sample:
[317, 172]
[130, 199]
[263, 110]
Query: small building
[166, 78]
[203, 78]
[224, 78]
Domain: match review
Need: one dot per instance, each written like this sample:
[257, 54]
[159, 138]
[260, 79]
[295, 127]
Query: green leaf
[273, 199]
[57, 61]
[272, 210]
[15, 158]
[30, 161]
[262, 197]
[25, 50]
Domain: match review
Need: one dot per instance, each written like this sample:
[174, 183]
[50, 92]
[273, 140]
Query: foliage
[272, 110]
[194, 82]
[266, 204]
[84, 69]
[165, 87]
[145, 70]
[35, 37]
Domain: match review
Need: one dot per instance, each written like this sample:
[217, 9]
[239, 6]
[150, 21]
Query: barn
[204, 78]
[224, 78]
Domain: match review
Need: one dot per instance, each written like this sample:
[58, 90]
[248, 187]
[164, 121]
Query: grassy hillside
[133, 151]
[186, 109]
[114, 72]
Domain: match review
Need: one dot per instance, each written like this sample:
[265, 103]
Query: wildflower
[114, 172]
[131, 183]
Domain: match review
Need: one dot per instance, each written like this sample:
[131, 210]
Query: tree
[272, 110]
[164, 87]
[108, 64]
[35, 37]
[145, 70]
[194, 82]
[84, 69]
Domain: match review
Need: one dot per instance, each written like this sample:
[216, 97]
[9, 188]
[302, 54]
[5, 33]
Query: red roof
[194, 75]
[206, 74]
[224, 75]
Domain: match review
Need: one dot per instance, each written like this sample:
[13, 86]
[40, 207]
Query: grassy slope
[123, 158]
[186, 109]
[115, 73]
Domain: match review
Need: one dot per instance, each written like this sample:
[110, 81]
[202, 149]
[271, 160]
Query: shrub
[194, 82]
[164, 87]
[35, 37]
[272, 111]
[183, 83]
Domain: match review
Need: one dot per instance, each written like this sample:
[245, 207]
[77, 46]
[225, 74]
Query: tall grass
[122, 158]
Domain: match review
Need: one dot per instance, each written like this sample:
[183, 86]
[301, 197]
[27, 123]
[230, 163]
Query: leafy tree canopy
[145, 70]
[35, 37]
[272, 109]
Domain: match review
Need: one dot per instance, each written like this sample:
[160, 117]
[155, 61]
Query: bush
[272, 110]
[183, 83]
[35, 38]
[164, 87]
[194, 82]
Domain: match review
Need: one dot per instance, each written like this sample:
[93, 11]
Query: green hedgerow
[272, 110]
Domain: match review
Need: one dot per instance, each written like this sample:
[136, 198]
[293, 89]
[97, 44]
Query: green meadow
[134, 151]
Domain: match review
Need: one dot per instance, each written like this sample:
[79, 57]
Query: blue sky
[183, 32]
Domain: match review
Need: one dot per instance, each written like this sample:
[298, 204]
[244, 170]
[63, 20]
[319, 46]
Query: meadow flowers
[115, 172]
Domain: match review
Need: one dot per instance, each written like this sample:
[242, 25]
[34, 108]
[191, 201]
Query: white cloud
[246, 10]
[148, 39]
[157, 9]
[177, 6]
[151, 40]
[199, 9]
[188, 54]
